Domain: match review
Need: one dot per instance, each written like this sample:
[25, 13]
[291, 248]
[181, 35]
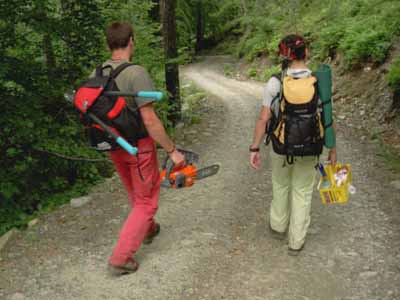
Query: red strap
[85, 97]
[116, 110]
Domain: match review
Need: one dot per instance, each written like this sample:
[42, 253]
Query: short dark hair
[293, 46]
[118, 35]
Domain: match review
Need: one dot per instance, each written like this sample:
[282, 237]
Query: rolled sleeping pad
[324, 76]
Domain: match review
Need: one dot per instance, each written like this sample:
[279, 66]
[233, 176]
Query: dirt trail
[214, 242]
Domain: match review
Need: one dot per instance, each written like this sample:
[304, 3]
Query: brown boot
[295, 252]
[129, 267]
[153, 232]
[276, 234]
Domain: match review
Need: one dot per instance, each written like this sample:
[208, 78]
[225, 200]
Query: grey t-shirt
[132, 79]
[273, 86]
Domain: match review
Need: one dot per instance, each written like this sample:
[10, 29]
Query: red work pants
[140, 176]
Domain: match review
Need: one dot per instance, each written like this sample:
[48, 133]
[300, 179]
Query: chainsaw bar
[207, 172]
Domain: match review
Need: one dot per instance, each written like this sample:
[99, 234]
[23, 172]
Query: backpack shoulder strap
[119, 69]
[277, 76]
[99, 70]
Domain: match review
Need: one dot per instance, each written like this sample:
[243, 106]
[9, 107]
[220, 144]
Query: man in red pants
[139, 173]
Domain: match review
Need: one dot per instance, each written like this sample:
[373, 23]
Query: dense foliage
[394, 74]
[359, 30]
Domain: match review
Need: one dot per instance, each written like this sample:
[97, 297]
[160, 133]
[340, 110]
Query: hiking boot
[295, 252]
[276, 234]
[129, 267]
[153, 232]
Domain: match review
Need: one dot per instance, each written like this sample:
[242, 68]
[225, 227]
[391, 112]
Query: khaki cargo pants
[292, 187]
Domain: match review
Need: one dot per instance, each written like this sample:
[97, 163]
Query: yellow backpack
[297, 129]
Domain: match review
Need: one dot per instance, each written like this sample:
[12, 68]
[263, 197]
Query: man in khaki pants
[291, 176]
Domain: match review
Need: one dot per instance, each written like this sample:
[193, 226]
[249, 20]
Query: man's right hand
[178, 158]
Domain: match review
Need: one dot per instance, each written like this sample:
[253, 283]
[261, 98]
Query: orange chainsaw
[187, 175]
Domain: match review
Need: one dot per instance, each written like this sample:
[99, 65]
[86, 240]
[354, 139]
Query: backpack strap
[119, 69]
[99, 71]
[271, 124]
[323, 103]
[277, 76]
[279, 94]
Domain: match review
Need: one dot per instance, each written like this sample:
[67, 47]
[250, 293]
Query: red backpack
[99, 96]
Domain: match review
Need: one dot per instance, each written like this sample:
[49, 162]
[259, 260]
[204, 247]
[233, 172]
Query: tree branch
[63, 156]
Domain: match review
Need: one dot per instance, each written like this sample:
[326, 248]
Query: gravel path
[214, 242]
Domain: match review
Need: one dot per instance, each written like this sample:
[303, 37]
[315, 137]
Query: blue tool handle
[322, 170]
[128, 147]
[155, 95]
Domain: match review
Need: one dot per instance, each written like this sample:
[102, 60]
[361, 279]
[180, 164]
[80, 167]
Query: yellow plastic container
[335, 194]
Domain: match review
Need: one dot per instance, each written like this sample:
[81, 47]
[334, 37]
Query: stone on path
[79, 202]
[6, 237]
[33, 222]
[368, 274]
[17, 296]
[395, 184]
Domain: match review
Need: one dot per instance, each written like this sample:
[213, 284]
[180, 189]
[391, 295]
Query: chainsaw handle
[164, 163]
[168, 173]
[190, 158]
[167, 182]
[168, 168]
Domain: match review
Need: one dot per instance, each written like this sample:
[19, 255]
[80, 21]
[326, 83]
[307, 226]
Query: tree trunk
[247, 31]
[199, 26]
[49, 57]
[155, 11]
[168, 20]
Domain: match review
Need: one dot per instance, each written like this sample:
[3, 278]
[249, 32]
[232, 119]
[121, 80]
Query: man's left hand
[255, 160]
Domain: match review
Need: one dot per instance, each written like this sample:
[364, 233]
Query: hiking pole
[119, 139]
[144, 94]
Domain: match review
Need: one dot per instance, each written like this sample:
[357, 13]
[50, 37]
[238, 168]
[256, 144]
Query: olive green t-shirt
[133, 78]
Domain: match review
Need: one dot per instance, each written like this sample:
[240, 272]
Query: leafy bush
[252, 72]
[394, 74]
[228, 70]
[192, 100]
[266, 75]
[255, 46]
[327, 41]
[360, 45]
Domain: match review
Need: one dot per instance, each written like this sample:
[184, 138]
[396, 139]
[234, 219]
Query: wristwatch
[254, 149]
[173, 149]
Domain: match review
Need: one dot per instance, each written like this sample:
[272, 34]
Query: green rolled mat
[324, 76]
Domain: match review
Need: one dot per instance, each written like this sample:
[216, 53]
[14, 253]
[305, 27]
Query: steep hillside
[359, 38]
